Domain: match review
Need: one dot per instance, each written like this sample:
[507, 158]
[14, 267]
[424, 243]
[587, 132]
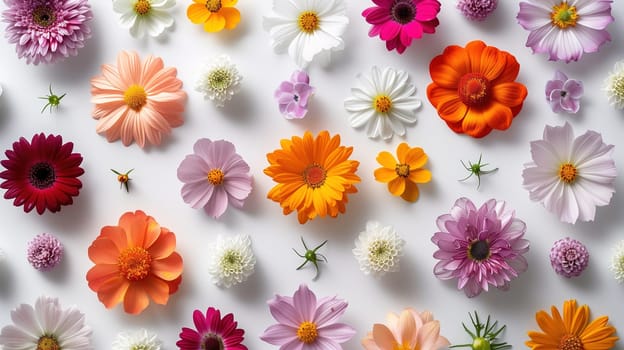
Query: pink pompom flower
[564, 94]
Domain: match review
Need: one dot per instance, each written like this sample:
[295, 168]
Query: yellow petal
[215, 23]
[416, 158]
[402, 150]
[420, 176]
[387, 160]
[197, 13]
[228, 3]
[385, 175]
[231, 15]
[397, 186]
[411, 192]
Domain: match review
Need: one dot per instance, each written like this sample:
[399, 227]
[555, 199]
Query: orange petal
[157, 289]
[168, 268]
[100, 274]
[510, 73]
[397, 186]
[228, 3]
[115, 234]
[509, 94]
[112, 292]
[386, 160]
[135, 225]
[416, 158]
[475, 49]
[407, 328]
[543, 339]
[447, 69]
[383, 337]
[475, 124]
[163, 246]
[420, 176]
[214, 23]
[197, 13]
[402, 150]
[438, 95]
[411, 192]
[385, 175]
[231, 15]
[103, 251]
[492, 62]
[498, 116]
[136, 299]
[453, 110]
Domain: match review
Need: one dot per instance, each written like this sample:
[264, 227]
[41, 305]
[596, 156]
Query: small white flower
[232, 260]
[219, 80]
[383, 101]
[614, 86]
[617, 262]
[137, 340]
[378, 249]
[143, 17]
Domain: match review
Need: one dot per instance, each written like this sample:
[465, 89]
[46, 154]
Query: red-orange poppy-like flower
[474, 88]
[134, 262]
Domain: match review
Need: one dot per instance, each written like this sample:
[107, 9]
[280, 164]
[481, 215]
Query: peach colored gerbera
[215, 15]
[402, 176]
[134, 262]
[137, 100]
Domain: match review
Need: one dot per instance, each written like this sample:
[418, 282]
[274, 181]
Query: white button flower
[219, 80]
[137, 340]
[232, 260]
[378, 249]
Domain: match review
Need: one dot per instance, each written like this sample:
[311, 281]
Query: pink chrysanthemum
[480, 247]
[398, 22]
[212, 332]
[569, 257]
[44, 251]
[45, 31]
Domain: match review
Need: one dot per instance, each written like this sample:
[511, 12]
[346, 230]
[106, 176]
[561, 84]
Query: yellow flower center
[43, 16]
[307, 332]
[570, 342]
[402, 170]
[48, 342]
[567, 173]
[564, 15]
[134, 263]
[473, 89]
[213, 5]
[382, 104]
[404, 346]
[215, 176]
[135, 97]
[142, 7]
[617, 87]
[314, 176]
[308, 22]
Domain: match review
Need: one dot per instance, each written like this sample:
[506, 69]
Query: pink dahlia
[212, 332]
[47, 30]
[307, 323]
[398, 22]
[480, 247]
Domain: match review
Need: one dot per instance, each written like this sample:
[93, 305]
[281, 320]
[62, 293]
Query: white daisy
[219, 80]
[137, 340]
[617, 262]
[143, 17]
[383, 101]
[614, 86]
[307, 28]
[232, 260]
[378, 249]
[46, 326]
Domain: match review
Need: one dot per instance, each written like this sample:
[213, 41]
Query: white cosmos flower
[137, 340]
[232, 260]
[570, 176]
[382, 100]
[378, 249]
[614, 86]
[307, 28]
[46, 326]
[143, 17]
[219, 80]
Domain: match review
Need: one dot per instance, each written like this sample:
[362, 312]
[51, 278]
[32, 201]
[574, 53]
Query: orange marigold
[403, 175]
[215, 15]
[134, 261]
[314, 175]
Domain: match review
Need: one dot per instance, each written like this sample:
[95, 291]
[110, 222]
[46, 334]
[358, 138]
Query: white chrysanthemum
[46, 326]
[378, 249]
[617, 262]
[307, 28]
[383, 101]
[219, 80]
[143, 17]
[614, 86]
[232, 260]
[137, 340]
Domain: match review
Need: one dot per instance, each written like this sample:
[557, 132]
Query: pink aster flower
[293, 95]
[480, 247]
[214, 176]
[564, 94]
[570, 175]
[565, 29]
[212, 332]
[45, 31]
[307, 323]
[398, 22]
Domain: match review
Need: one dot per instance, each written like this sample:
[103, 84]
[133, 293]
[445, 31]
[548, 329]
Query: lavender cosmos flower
[569, 257]
[44, 251]
[565, 29]
[477, 10]
[293, 95]
[45, 31]
[480, 247]
[564, 94]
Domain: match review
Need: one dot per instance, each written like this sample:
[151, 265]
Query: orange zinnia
[134, 261]
[314, 175]
[573, 331]
[474, 88]
[402, 176]
[214, 14]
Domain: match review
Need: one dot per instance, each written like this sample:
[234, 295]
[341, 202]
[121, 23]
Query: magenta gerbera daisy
[480, 247]
[45, 31]
[41, 174]
[398, 22]
[212, 332]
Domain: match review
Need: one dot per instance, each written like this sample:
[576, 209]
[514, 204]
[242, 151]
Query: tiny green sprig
[484, 336]
[477, 170]
[312, 256]
[123, 178]
[53, 100]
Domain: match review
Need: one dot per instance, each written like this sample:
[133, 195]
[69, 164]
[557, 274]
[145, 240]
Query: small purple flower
[292, 95]
[564, 94]
[44, 251]
[477, 10]
[569, 257]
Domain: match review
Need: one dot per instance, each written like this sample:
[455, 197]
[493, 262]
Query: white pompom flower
[219, 80]
[232, 260]
[617, 262]
[378, 249]
[137, 340]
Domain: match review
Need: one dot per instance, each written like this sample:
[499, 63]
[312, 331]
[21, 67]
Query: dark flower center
[479, 250]
[296, 97]
[211, 342]
[403, 11]
[44, 16]
[563, 93]
[42, 175]
[314, 176]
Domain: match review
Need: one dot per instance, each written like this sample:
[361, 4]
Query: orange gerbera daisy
[134, 261]
[214, 14]
[474, 88]
[402, 176]
[137, 101]
[314, 175]
[573, 331]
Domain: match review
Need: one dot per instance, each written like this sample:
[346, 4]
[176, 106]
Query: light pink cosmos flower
[214, 176]
[307, 323]
[480, 247]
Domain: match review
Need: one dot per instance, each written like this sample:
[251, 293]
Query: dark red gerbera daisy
[42, 173]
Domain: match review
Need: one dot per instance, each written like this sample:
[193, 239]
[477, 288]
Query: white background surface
[253, 123]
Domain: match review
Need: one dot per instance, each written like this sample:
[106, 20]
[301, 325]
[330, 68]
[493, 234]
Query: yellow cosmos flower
[403, 175]
[214, 14]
